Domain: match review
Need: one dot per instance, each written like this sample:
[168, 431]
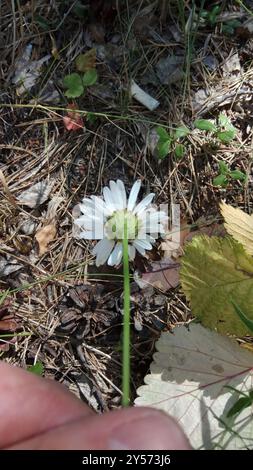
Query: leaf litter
[192, 73]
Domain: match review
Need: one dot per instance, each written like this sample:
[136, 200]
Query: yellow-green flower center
[114, 227]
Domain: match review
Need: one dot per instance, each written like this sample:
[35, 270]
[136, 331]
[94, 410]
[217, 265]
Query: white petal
[159, 231]
[122, 190]
[94, 226]
[131, 252]
[87, 235]
[89, 211]
[85, 222]
[139, 248]
[103, 250]
[133, 195]
[100, 206]
[109, 200]
[116, 195]
[116, 255]
[157, 216]
[87, 200]
[144, 204]
[144, 244]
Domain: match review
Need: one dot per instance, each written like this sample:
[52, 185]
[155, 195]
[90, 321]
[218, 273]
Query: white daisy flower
[104, 219]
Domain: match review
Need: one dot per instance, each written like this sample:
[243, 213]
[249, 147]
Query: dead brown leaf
[87, 61]
[164, 274]
[44, 236]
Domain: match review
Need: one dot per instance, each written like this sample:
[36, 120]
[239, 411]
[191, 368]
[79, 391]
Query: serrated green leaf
[163, 134]
[181, 131]
[237, 175]
[179, 150]
[74, 84]
[90, 77]
[223, 167]
[37, 368]
[226, 136]
[163, 148]
[213, 272]
[225, 122]
[220, 180]
[205, 125]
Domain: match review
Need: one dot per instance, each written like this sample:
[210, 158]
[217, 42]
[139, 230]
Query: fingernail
[153, 431]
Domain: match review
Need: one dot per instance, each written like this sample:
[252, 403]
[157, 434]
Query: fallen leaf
[239, 225]
[27, 71]
[97, 32]
[194, 377]
[245, 31]
[170, 69]
[231, 64]
[164, 274]
[213, 272]
[87, 61]
[210, 62]
[8, 265]
[7, 324]
[36, 194]
[44, 236]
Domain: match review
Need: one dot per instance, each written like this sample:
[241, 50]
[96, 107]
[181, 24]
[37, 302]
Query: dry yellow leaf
[44, 236]
[239, 225]
[87, 61]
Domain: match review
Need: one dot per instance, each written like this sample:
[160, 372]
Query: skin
[37, 413]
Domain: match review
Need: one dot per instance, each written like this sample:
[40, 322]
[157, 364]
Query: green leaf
[42, 23]
[213, 272]
[205, 125]
[91, 117]
[220, 180]
[74, 84]
[223, 167]
[226, 136]
[239, 406]
[225, 122]
[182, 131]
[163, 148]
[230, 26]
[163, 134]
[212, 17]
[242, 316]
[81, 11]
[90, 77]
[179, 150]
[237, 175]
[37, 368]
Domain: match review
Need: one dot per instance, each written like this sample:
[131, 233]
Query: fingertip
[148, 429]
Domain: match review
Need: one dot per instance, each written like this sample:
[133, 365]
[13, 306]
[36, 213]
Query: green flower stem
[126, 323]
